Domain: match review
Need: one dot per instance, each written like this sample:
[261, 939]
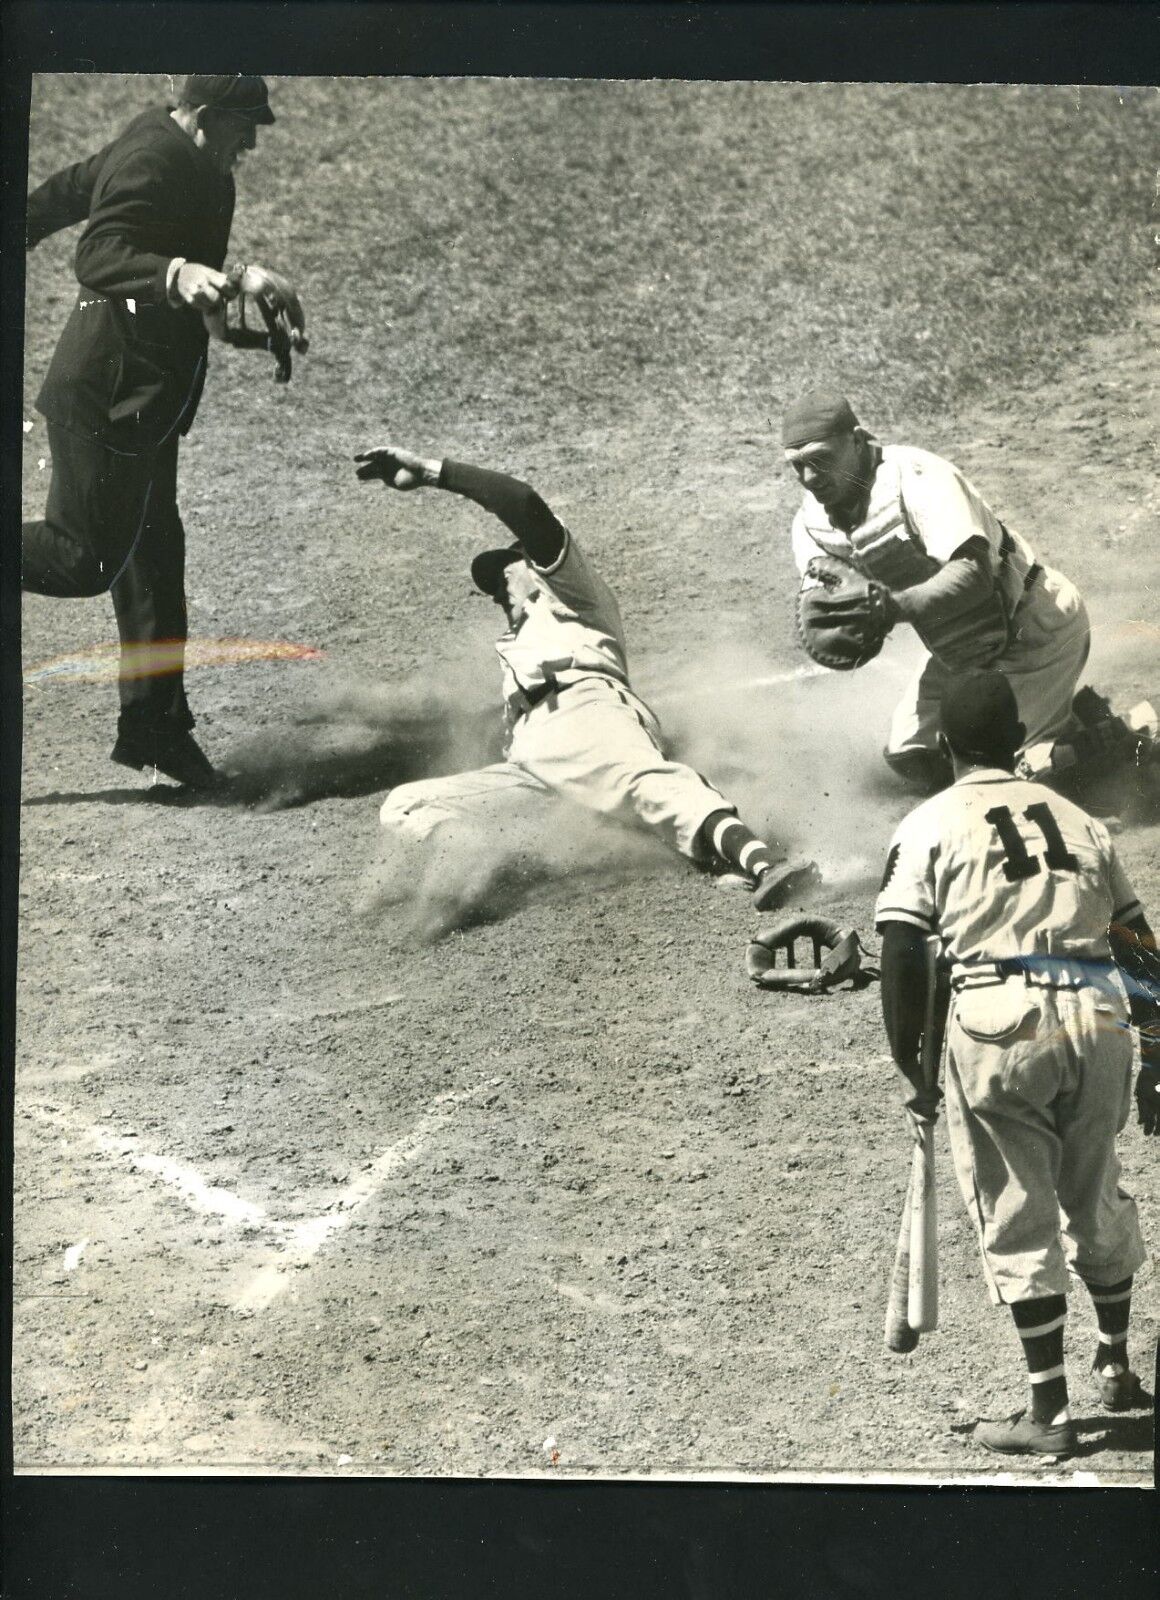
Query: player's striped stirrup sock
[1040, 1326]
[1113, 1303]
[733, 843]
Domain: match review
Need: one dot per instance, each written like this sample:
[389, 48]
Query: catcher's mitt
[275, 301]
[842, 618]
[837, 957]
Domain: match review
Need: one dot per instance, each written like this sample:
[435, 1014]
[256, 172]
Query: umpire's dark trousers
[111, 523]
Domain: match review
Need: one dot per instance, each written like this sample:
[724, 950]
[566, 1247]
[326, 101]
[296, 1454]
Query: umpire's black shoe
[174, 752]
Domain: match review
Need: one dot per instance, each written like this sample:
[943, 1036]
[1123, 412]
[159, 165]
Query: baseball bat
[922, 1299]
[922, 1286]
[900, 1336]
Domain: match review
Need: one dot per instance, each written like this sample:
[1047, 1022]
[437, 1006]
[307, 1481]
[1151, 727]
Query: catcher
[574, 726]
[127, 375]
[889, 534]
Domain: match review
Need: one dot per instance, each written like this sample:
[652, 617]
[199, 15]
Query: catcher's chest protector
[882, 546]
[886, 549]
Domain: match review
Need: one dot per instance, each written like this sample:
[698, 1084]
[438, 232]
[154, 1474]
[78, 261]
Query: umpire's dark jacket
[129, 367]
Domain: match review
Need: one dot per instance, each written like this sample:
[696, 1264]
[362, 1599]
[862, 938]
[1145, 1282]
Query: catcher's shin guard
[1106, 762]
[922, 772]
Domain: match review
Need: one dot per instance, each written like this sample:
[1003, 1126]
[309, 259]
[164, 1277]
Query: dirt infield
[560, 1192]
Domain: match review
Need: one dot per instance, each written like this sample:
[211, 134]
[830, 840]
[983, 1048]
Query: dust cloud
[797, 751]
[526, 846]
[356, 738]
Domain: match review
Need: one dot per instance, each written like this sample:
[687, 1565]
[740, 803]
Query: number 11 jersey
[999, 867]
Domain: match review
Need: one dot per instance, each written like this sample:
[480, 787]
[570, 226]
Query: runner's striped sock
[1040, 1327]
[1113, 1303]
[733, 843]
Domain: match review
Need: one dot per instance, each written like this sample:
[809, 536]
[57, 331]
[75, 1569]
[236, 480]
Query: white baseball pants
[1042, 664]
[593, 742]
[1038, 1084]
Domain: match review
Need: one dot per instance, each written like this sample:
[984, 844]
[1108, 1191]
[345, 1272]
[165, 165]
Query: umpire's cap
[489, 566]
[229, 91]
[980, 717]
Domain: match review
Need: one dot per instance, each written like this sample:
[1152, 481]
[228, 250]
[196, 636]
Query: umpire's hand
[202, 287]
[396, 467]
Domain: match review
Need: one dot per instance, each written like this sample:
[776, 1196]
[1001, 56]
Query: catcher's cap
[489, 567]
[816, 415]
[229, 91]
[979, 715]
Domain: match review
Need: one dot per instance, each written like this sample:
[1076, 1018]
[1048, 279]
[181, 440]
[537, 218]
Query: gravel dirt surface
[300, 1188]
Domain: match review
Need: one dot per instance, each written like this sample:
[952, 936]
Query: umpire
[125, 382]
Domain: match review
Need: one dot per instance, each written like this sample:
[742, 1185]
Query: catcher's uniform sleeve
[942, 508]
[908, 882]
[804, 547]
[953, 591]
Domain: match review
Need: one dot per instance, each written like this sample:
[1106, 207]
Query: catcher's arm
[963, 583]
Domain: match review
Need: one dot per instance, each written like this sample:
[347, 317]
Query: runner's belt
[1034, 571]
[1042, 972]
[541, 691]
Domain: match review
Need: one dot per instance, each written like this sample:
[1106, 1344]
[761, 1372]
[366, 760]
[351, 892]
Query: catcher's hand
[276, 302]
[396, 467]
[842, 618]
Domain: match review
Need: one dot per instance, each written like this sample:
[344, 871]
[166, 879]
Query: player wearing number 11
[1040, 931]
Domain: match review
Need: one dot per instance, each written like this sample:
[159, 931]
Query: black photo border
[223, 1538]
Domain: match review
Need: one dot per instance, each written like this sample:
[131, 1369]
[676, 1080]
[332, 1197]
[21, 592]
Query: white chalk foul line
[185, 1181]
[766, 681]
[771, 680]
[306, 1238]
[299, 1241]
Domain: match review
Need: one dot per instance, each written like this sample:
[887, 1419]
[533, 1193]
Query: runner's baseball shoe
[1121, 1391]
[1020, 1435]
[785, 881]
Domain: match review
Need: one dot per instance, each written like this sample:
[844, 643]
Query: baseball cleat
[1121, 1390]
[1021, 1435]
[784, 881]
[176, 754]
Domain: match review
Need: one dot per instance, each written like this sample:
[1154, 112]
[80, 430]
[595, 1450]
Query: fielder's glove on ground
[396, 467]
[270, 300]
[842, 618]
[837, 955]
